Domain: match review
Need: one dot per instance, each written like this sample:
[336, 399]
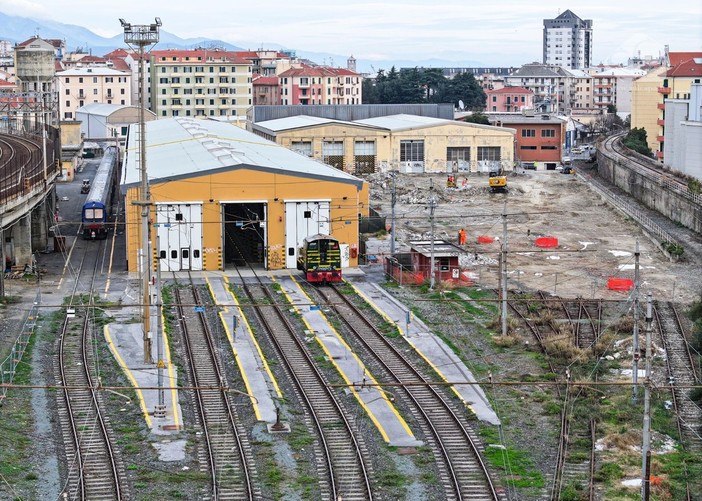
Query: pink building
[265, 90]
[319, 85]
[508, 99]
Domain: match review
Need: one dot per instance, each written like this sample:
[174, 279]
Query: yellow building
[405, 143]
[222, 195]
[650, 92]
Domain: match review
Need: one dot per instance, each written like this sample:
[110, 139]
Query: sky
[492, 33]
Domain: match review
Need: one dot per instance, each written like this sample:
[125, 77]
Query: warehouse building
[222, 196]
[404, 143]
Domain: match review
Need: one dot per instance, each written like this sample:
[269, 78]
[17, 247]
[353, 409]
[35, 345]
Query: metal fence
[8, 367]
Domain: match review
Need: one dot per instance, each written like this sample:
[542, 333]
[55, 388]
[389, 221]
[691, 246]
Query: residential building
[265, 90]
[199, 83]
[265, 62]
[405, 143]
[567, 41]
[539, 138]
[683, 133]
[545, 82]
[305, 84]
[508, 99]
[650, 92]
[7, 59]
[80, 86]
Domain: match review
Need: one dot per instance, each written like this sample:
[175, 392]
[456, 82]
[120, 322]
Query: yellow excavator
[497, 180]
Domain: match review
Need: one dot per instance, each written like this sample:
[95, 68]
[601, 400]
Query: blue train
[98, 205]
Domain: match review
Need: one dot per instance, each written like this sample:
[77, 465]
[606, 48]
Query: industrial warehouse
[222, 194]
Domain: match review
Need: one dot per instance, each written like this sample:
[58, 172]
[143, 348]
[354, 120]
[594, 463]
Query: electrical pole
[160, 409]
[392, 216]
[646, 446]
[143, 36]
[432, 207]
[503, 271]
[635, 349]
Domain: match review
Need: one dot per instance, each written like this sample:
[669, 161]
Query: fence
[8, 367]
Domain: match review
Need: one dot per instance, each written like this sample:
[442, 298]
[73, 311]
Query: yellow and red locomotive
[319, 258]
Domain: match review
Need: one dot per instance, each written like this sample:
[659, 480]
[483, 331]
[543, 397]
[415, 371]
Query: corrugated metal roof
[302, 121]
[101, 109]
[395, 123]
[178, 148]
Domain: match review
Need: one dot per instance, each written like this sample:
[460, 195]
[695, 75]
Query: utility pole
[646, 446]
[143, 35]
[432, 207]
[635, 349]
[393, 174]
[503, 270]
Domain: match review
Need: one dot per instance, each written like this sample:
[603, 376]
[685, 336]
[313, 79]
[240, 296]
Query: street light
[143, 35]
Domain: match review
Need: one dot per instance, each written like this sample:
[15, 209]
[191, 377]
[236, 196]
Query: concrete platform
[377, 403]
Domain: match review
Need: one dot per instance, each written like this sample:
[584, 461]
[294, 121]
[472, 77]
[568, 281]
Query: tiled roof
[535, 70]
[690, 67]
[206, 56]
[678, 57]
[265, 81]
[509, 90]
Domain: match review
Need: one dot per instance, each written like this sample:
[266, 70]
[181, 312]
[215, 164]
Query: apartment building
[547, 83]
[508, 99]
[650, 92]
[199, 83]
[567, 41]
[265, 90]
[539, 138]
[80, 86]
[683, 133]
[308, 85]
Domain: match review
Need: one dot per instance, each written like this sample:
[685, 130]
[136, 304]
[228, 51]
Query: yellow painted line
[377, 308]
[382, 313]
[171, 374]
[343, 375]
[129, 374]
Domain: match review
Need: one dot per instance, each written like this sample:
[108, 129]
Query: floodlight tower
[142, 36]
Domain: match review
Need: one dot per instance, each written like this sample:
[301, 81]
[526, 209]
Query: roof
[102, 109]
[535, 70]
[396, 123]
[162, 57]
[520, 118]
[442, 248]
[179, 148]
[676, 58]
[90, 71]
[317, 71]
[509, 90]
[265, 80]
[301, 121]
[690, 67]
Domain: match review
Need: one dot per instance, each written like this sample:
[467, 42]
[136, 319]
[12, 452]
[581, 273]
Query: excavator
[497, 180]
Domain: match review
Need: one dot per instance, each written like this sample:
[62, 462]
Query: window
[68, 80]
[364, 157]
[527, 147]
[548, 132]
[528, 132]
[302, 147]
[489, 153]
[458, 158]
[95, 92]
[549, 147]
[333, 153]
[68, 104]
[411, 151]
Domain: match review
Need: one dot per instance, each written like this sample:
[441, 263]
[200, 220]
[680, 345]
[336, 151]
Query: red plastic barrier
[546, 242]
[484, 239]
[620, 284]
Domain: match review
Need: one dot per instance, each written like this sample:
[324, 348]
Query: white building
[567, 41]
[103, 121]
[682, 149]
[81, 86]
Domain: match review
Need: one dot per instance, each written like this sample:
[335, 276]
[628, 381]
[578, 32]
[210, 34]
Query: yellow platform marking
[397, 325]
[351, 385]
[130, 376]
[171, 374]
[230, 338]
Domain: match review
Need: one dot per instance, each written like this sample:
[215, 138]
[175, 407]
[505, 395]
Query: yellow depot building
[220, 196]
[404, 143]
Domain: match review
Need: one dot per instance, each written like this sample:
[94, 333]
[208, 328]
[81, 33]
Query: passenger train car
[319, 258]
[98, 204]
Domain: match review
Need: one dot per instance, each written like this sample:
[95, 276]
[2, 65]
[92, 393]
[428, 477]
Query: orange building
[539, 138]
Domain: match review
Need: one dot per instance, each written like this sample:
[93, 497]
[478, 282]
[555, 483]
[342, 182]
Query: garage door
[179, 236]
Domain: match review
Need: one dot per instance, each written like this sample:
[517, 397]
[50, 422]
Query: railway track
[228, 455]
[343, 460]
[681, 373]
[585, 317]
[457, 450]
[94, 470]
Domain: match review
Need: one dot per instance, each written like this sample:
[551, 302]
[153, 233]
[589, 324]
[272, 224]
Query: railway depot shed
[222, 195]
[405, 143]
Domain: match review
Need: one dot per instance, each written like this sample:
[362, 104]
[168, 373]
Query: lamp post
[143, 35]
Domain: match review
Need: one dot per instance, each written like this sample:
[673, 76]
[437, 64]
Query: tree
[636, 140]
[477, 118]
[464, 87]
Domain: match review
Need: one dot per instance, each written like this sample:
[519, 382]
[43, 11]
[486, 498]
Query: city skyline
[502, 33]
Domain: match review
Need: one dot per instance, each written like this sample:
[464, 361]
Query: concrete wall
[655, 190]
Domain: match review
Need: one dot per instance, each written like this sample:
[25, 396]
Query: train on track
[319, 258]
[97, 208]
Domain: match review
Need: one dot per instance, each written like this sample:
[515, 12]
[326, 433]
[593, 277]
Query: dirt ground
[595, 241]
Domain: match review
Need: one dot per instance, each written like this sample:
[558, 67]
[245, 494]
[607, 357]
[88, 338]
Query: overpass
[29, 166]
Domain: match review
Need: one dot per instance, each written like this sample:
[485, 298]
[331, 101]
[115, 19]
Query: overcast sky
[495, 33]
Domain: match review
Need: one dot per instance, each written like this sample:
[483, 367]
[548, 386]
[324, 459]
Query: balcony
[659, 155]
[660, 121]
[660, 106]
[664, 90]
[660, 139]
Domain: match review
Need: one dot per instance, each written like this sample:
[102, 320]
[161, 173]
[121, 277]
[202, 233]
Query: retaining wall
[655, 190]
